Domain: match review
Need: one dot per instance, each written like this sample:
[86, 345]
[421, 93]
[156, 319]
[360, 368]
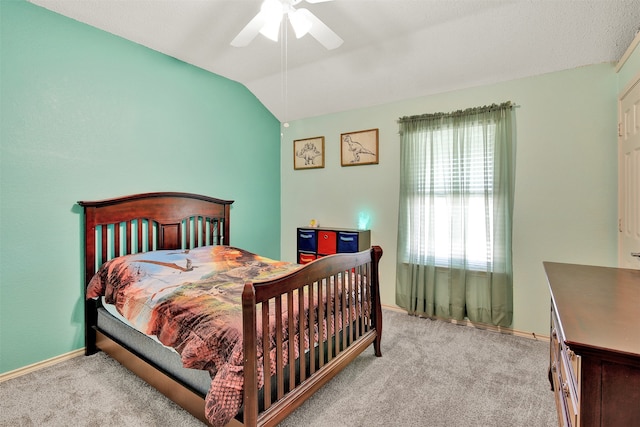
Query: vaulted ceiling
[392, 50]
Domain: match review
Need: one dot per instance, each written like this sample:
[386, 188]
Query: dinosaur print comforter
[191, 300]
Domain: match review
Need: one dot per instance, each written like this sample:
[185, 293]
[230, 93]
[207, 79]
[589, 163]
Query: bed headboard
[151, 221]
[144, 222]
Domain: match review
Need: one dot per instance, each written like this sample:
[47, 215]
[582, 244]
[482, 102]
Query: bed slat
[321, 323]
[301, 328]
[327, 321]
[104, 254]
[128, 236]
[279, 352]
[336, 312]
[266, 365]
[311, 329]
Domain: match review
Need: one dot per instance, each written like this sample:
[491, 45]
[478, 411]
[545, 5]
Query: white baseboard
[467, 322]
[40, 365]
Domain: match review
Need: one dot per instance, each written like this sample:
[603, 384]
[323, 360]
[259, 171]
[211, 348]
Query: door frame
[635, 81]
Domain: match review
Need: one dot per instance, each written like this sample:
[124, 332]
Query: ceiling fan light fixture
[271, 8]
[301, 25]
[271, 11]
[271, 29]
[268, 22]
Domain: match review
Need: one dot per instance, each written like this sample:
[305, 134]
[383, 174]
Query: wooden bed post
[376, 254]
[90, 314]
[227, 224]
[249, 318]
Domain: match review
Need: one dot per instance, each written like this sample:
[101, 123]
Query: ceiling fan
[267, 22]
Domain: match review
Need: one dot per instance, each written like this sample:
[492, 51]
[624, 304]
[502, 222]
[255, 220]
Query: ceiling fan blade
[321, 32]
[250, 31]
[317, 1]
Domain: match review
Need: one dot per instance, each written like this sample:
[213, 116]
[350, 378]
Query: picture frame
[308, 153]
[359, 148]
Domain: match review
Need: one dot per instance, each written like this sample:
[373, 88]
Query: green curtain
[455, 215]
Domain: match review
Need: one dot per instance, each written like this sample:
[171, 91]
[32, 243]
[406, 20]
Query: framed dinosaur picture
[308, 153]
[359, 148]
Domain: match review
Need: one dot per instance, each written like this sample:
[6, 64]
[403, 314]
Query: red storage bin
[305, 258]
[326, 242]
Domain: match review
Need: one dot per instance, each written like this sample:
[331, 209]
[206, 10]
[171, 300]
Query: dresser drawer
[565, 367]
[572, 363]
[556, 346]
[569, 391]
[554, 358]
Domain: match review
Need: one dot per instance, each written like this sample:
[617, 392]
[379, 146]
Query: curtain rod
[485, 108]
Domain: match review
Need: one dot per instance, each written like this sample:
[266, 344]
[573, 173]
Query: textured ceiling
[393, 49]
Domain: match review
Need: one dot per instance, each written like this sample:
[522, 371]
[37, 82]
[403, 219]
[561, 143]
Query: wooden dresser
[595, 344]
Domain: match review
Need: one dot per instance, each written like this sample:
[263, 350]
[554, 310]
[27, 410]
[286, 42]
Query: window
[460, 191]
[455, 215]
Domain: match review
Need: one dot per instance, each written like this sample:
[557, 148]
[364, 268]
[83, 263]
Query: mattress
[149, 348]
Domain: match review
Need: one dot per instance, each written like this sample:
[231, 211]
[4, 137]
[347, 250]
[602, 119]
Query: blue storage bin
[347, 241]
[307, 240]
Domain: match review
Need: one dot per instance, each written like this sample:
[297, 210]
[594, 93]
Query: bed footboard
[347, 318]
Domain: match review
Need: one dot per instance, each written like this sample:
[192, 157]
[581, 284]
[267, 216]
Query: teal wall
[87, 115]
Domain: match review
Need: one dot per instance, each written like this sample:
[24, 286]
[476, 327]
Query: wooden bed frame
[170, 220]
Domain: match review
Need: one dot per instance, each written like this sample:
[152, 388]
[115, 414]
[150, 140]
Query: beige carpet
[432, 373]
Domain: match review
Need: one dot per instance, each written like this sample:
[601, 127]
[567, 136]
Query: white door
[629, 177]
